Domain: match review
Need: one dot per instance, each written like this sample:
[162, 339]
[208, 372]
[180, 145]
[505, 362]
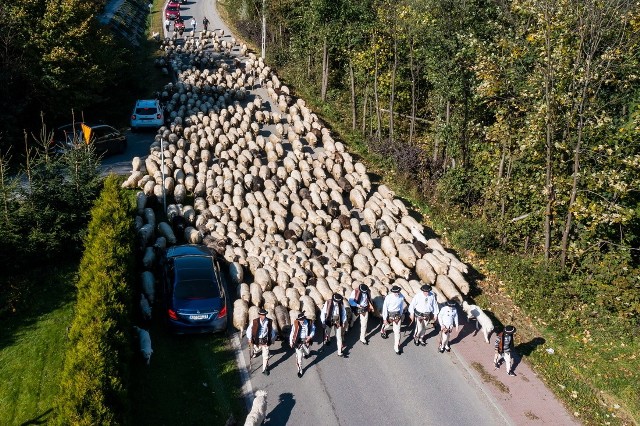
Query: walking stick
[250, 346]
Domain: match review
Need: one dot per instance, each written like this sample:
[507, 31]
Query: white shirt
[342, 313]
[424, 304]
[364, 300]
[262, 330]
[448, 317]
[307, 330]
[394, 302]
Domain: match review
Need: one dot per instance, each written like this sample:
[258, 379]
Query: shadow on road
[281, 412]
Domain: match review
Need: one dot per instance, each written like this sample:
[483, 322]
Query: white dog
[258, 409]
[482, 320]
[144, 339]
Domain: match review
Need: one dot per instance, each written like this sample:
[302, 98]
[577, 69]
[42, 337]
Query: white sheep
[144, 342]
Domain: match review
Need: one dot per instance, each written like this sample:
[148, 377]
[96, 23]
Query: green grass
[32, 344]
[191, 380]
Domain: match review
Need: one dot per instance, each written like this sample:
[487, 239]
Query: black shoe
[266, 372]
[306, 356]
[398, 352]
[448, 349]
[255, 355]
[416, 342]
[299, 373]
[424, 341]
[384, 335]
[497, 365]
[511, 373]
[441, 349]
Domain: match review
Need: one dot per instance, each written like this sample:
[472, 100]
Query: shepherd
[392, 312]
[261, 334]
[334, 315]
[423, 310]
[300, 339]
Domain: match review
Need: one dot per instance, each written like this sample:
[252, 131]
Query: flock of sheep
[266, 186]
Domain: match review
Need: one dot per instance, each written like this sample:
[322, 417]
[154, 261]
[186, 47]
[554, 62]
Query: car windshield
[195, 279]
[146, 110]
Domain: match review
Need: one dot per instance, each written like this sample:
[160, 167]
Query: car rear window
[146, 110]
[195, 279]
[173, 8]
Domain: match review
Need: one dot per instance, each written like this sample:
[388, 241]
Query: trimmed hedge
[94, 379]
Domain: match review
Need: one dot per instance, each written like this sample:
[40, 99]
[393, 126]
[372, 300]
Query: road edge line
[247, 389]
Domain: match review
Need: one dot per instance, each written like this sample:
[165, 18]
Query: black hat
[451, 303]
[425, 287]
[395, 289]
[262, 312]
[301, 317]
[363, 288]
[337, 297]
[509, 329]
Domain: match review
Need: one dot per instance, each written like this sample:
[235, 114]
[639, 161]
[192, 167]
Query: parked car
[105, 139]
[193, 290]
[147, 113]
[172, 10]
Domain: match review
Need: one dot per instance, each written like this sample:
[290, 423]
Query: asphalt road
[372, 385]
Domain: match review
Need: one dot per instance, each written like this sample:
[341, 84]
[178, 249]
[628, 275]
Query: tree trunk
[353, 96]
[325, 70]
[412, 123]
[393, 86]
[375, 95]
[364, 109]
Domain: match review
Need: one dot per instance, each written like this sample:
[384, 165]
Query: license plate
[198, 317]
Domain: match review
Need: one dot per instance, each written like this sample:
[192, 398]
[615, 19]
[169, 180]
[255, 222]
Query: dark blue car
[193, 290]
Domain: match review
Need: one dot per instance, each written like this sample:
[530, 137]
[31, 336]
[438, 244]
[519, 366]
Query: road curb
[480, 384]
[247, 389]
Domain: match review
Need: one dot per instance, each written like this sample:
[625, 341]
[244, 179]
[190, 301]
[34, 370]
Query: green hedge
[95, 376]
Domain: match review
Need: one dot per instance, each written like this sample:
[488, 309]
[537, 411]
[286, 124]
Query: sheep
[149, 258]
[482, 320]
[236, 272]
[425, 271]
[458, 279]
[240, 315]
[144, 342]
[145, 308]
[148, 286]
[256, 294]
[243, 292]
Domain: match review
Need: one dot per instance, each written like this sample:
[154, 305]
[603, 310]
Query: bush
[94, 379]
[474, 234]
[456, 187]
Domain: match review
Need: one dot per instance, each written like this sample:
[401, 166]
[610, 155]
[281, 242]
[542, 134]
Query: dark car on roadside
[194, 290]
[103, 138]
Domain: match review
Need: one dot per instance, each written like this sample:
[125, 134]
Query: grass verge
[191, 380]
[33, 344]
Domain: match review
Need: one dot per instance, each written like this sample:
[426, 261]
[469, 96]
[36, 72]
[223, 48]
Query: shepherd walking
[392, 312]
[300, 339]
[261, 335]
[334, 316]
[423, 310]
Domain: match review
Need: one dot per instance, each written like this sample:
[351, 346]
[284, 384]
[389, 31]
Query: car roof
[146, 102]
[188, 250]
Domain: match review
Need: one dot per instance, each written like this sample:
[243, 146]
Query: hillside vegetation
[514, 127]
